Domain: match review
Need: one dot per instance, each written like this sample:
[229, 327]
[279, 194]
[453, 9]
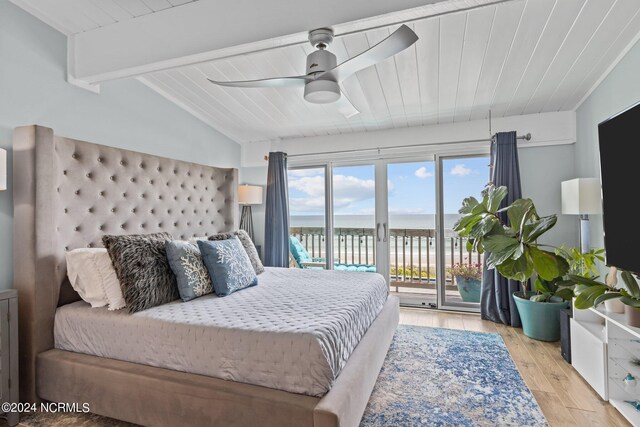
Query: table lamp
[248, 195]
[582, 196]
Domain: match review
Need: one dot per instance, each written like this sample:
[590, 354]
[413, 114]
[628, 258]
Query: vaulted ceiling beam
[204, 30]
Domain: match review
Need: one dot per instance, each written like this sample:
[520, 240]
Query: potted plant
[512, 248]
[468, 279]
[584, 264]
[591, 292]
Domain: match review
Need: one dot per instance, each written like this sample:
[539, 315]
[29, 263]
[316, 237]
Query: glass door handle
[385, 236]
[378, 232]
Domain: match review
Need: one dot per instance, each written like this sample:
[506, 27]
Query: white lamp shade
[581, 196]
[3, 169]
[250, 195]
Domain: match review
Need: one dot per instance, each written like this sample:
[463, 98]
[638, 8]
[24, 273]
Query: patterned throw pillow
[186, 262]
[143, 269]
[248, 246]
[228, 265]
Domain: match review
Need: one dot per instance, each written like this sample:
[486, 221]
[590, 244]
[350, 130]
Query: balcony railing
[412, 251]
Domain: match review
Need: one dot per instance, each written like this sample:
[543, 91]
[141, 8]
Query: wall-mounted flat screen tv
[620, 173]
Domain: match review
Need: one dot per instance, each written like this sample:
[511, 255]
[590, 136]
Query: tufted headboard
[68, 194]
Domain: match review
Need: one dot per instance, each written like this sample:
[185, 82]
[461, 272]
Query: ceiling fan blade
[293, 81]
[345, 107]
[398, 41]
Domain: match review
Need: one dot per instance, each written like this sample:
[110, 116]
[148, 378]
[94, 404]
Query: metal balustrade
[412, 251]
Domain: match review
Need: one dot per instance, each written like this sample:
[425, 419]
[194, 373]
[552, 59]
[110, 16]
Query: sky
[411, 187]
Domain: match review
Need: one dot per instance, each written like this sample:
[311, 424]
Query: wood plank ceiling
[76, 16]
[519, 57]
[515, 57]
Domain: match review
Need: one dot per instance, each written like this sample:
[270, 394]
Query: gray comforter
[293, 332]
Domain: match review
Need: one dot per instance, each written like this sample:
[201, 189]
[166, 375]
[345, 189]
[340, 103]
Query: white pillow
[92, 275]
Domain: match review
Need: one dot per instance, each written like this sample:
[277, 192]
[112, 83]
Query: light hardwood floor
[565, 398]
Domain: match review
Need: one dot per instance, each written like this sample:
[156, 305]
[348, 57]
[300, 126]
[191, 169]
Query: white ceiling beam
[206, 30]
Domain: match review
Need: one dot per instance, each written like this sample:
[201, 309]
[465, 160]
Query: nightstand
[9, 351]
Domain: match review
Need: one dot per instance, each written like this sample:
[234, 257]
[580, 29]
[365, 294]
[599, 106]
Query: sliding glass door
[412, 248]
[461, 177]
[394, 217]
[308, 217]
[354, 217]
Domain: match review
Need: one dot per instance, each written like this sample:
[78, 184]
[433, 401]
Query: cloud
[347, 191]
[460, 170]
[311, 205]
[423, 173]
[299, 173]
[310, 185]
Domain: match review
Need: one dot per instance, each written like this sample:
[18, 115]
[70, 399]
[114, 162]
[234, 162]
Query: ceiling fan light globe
[321, 91]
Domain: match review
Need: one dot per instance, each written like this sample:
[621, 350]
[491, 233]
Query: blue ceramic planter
[540, 320]
[469, 288]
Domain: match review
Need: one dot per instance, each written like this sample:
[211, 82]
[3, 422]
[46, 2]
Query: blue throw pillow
[228, 264]
[191, 274]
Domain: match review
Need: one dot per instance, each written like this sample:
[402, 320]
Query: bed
[68, 193]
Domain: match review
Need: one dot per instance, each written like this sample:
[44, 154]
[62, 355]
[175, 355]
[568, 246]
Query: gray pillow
[191, 274]
[228, 265]
[141, 264]
[248, 246]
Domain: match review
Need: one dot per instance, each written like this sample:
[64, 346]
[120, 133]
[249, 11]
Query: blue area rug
[445, 377]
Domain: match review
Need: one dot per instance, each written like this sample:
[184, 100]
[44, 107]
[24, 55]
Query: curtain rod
[526, 137]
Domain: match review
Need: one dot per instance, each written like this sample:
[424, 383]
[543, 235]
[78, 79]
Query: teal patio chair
[304, 260]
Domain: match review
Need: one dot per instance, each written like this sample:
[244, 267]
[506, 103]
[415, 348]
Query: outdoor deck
[412, 254]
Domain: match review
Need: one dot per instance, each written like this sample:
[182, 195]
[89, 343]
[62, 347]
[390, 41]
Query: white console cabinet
[602, 348]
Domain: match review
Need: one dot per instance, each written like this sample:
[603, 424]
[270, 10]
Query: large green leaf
[565, 293]
[542, 285]
[581, 280]
[495, 196]
[630, 301]
[586, 298]
[468, 205]
[499, 243]
[578, 288]
[519, 213]
[484, 226]
[535, 229]
[547, 264]
[501, 248]
[518, 252]
[517, 269]
[495, 259]
[606, 296]
[632, 285]
[466, 224]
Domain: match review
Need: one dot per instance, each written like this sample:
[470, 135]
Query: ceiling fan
[322, 79]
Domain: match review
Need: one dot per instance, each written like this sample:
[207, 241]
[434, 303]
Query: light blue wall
[542, 169]
[126, 114]
[618, 91]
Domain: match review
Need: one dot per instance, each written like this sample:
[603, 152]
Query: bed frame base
[161, 397]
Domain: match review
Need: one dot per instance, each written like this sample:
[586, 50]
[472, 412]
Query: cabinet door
[588, 357]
